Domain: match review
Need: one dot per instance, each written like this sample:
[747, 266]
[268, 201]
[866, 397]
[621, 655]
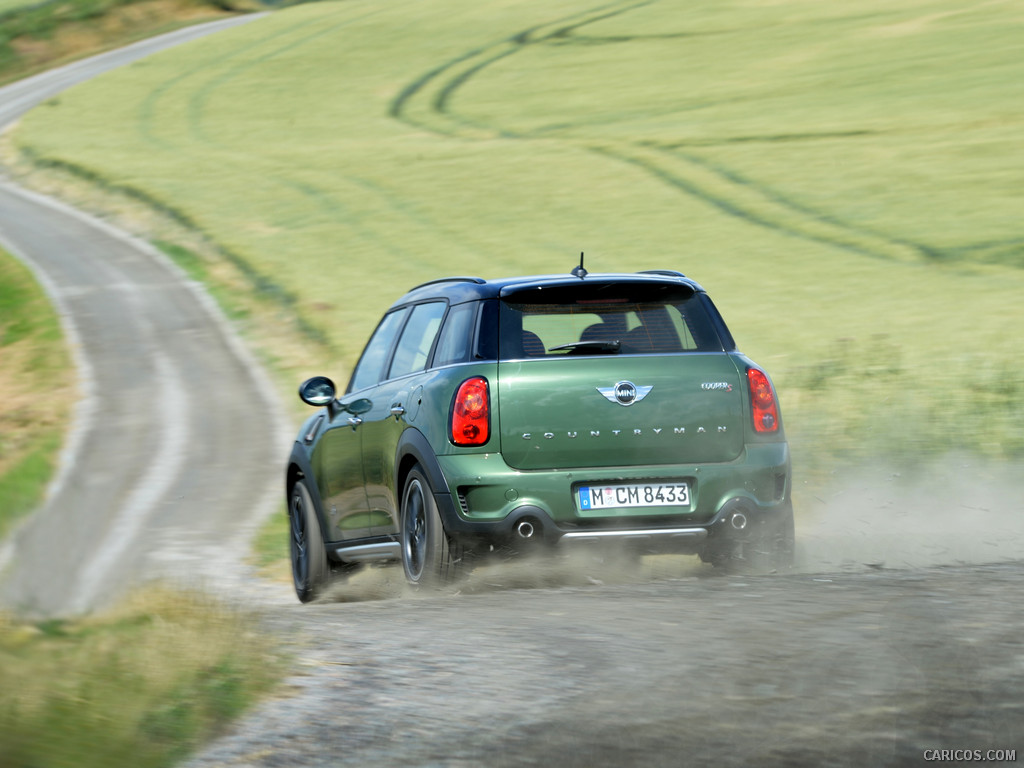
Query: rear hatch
[614, 375]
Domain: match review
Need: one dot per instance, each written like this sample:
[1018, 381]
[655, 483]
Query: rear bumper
[489, 505]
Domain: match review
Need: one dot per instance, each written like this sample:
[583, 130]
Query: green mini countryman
[546, 412]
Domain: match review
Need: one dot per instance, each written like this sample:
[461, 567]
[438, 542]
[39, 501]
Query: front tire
[429, 556]
[311, 572]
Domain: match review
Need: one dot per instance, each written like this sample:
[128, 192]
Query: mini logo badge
[625, 393]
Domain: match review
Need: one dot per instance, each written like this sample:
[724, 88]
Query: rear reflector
[470, 421]
[762, 401]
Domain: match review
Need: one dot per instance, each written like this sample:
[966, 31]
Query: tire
[429, 557]
[311, 572]
[771, 551]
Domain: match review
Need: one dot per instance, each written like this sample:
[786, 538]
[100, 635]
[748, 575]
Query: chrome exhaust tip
[738, 521]
[525, 529]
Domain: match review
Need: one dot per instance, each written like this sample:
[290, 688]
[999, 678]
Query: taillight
[470, 422]
[763, 403]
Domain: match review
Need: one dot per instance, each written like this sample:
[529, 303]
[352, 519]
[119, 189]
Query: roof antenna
[579, 271]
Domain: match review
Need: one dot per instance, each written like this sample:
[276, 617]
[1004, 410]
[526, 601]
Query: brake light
[763, 403]
[470, 422]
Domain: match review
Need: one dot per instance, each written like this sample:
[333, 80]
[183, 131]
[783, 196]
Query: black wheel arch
[414, 449]
[300, 468]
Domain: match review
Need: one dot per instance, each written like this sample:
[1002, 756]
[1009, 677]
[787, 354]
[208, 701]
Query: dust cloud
[950, 512]
[537, 571]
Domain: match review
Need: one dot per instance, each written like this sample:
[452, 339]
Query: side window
[487, 336]
[456, 336]
[371, 365]
[417, 339]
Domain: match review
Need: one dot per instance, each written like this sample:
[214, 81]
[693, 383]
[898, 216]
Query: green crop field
[844, 178]
[14, 5]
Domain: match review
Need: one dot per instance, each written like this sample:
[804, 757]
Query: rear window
[605, 319]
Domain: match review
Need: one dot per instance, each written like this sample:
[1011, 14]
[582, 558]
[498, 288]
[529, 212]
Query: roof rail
[477, 280]
[666, 272]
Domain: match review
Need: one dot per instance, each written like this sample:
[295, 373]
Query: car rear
[620, 410]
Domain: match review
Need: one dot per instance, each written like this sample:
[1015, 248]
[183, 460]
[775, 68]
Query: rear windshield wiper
[595, 345]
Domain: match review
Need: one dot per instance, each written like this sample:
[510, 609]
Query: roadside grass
[37, 391]
[7, 6]
[842, 179]
[165, 671]
[39, 34]
[270, 553]
[142, 685]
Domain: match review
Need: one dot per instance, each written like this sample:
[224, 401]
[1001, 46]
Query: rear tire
[311, 572]
[770, 551]
[429, 556]
[773, 552]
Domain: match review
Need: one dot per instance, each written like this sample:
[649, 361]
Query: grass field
[37, 390]
[844, 179]
[140, 686]
[40, 34]
[8, 6]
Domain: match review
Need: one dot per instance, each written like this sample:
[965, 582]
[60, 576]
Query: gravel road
[850, 668]
[169, 462]
[900, 631]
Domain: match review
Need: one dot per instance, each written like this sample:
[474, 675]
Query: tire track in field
[231, 66]
[427, 103]
[757, 204]
[261, 281]
[147, 111]
[197, 102]
[324, 199]
[424, 103]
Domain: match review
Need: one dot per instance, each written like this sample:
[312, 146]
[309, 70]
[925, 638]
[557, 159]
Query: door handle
[397, 410]
[355, 421]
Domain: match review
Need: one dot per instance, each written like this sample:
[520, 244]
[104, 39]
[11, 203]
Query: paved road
[178, 438]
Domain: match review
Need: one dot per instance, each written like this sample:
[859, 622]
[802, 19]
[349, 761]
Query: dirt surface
[899, 632]
[164, 470]
[846, 668]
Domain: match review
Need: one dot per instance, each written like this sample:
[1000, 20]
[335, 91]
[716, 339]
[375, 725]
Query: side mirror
[318, 391]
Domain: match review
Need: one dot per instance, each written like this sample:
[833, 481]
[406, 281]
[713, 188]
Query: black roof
[460, 289]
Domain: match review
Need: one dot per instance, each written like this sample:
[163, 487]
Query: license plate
[633, 495]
